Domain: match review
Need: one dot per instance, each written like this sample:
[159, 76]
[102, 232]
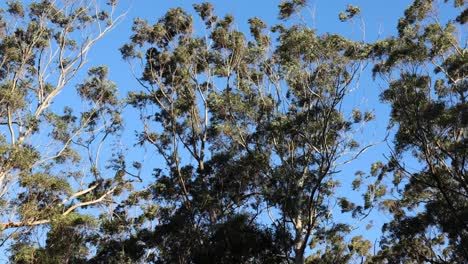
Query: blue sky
[379, 19]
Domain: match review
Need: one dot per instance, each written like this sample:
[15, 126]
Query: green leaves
[15, 8]
[209, 99]
[46, 182]
[357, 116]
[247, 136]
[350, 12]
[17, 156]
[97, 88]
[205, 11]
[346, 206]
[360, 246]
[287, 8]
[49, 157]
[426, 127]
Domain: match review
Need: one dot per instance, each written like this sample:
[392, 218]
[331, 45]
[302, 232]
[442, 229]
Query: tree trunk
[298, 244]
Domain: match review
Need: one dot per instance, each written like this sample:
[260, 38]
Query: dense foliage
[428, 88]
[251, 132]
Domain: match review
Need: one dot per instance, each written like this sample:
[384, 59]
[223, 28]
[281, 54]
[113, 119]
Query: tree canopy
[251, 133]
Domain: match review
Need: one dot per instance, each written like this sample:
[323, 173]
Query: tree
[309, 136]
[250, 129]
[50, 158]
[197, 200]
[262, 127]
[426, 66]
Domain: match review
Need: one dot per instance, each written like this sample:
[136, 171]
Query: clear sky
[379, 16]
[379, 20]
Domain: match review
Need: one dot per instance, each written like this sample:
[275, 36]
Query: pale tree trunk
[299, 241]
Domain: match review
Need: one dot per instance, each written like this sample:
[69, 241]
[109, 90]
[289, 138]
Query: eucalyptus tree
[426, 69]
[247, 131]
[50, 165]
[310, 136]
[197, 124]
